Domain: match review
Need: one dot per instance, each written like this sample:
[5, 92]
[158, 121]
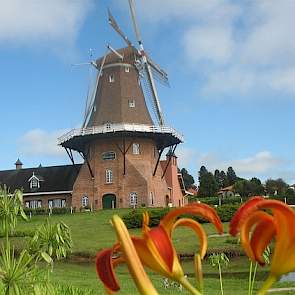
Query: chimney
[173, 157]
[18, 164]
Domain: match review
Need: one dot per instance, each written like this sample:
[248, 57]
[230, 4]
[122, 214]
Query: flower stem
[186, 284]
[220, 278]
[253, 279]
[250, 278]
[267, 284]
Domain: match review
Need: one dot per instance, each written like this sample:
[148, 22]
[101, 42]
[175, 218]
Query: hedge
[215, 200]
[133, 219]
[46, 211]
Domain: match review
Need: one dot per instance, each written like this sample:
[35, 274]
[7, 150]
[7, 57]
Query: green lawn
[93, 231]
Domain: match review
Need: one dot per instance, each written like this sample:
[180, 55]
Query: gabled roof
[54, 178]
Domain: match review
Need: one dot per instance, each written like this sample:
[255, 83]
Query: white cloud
[238, 47]
[200, 44]
[42, 21]
[38, 142]
[263, 164]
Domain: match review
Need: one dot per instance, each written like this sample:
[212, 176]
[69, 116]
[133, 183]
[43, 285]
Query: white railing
[118, 127]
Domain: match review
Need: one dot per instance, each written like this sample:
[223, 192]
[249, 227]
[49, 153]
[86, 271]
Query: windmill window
[109, 176]
[127, 69]
[112, 78]
[131, 103]
[109, 156]
[136, 149]
[152, 198]
[108, 126]
[133, 199]
[85, 201]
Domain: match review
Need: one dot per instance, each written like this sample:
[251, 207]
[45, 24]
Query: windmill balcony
[71, 138]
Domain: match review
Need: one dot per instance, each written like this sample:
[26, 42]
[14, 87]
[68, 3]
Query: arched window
[133, 199]
[84, 201]
[109, 155]
[135, 149]
[109, 176]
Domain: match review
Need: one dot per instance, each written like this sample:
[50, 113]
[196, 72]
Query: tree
[218, 178]
[256, 186]
[203, 171]
[276, 186]
[231, 176]
[208, 185]
[187, 178]
[248, 188]
[243, 188]
[223, 178]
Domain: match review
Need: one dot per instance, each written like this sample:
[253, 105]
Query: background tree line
[210, 183]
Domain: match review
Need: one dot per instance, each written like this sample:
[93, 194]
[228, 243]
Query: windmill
[119, 141]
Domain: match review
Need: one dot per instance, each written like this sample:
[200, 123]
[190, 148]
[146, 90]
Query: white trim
[118, 64]
[117, 128]
[47, 193]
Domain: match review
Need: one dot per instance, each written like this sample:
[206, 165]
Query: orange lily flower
[155, 249]
[257, 228]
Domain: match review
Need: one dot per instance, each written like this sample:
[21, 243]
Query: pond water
[289, 277]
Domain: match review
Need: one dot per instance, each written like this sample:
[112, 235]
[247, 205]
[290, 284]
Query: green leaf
[46, 257]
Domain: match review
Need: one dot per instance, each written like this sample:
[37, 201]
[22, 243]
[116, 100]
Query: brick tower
[119, 141]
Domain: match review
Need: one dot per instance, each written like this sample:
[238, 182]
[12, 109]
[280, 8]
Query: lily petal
[160, 245]
[198, 209]
[198, 229]
[142, 281]
[105, 269]
[251, 220]
[261, 237]
[242, 213]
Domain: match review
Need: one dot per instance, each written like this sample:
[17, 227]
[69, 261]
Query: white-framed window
[131, 103]
[108, 155]
[133, 199]
[109, 176]
[84, 201]
[33, 204]
[135, 149]
[34, 183]
[127, 69]
[57, 203]
[152, 198]
[111, 78]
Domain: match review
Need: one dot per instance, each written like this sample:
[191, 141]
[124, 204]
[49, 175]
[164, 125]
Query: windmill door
[109, 201]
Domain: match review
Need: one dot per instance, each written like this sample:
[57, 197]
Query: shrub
[133, 219]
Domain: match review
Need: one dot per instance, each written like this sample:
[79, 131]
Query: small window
[108, 126]
[127, 69]
[133, 199]
[109, 156]
[34, 183]
[33, 204]
[136, 149]
[112, 78]
[131, 103]
[84, 201]
[109, 176]
[152, 198]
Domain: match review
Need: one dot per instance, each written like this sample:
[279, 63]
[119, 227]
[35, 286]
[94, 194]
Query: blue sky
[231, 66]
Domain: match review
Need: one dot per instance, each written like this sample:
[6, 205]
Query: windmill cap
[18, 162]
